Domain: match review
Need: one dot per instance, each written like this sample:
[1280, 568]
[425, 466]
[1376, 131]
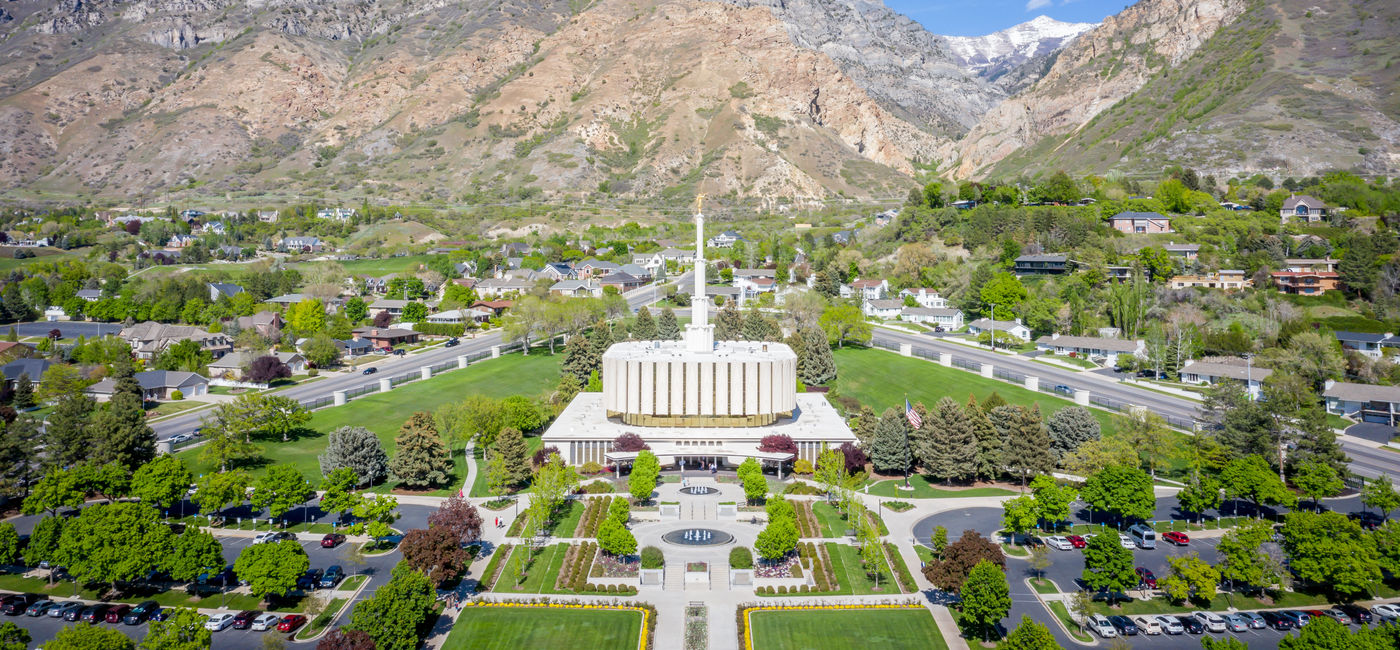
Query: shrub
[802, 466]
[592, 467]
[612, 589]
[782, 589]
[740, 557]
[176, 395]
[805, 589]
[313, 373]
[652, 558]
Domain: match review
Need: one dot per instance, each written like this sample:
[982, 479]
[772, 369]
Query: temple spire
[699, 334]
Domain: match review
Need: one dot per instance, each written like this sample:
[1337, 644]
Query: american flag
[914, 419]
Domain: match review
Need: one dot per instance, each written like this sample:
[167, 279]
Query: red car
[1146, 577]
[117, 613]
[291, 622]
[332, 540]
[1174, 537]
[1076, 541]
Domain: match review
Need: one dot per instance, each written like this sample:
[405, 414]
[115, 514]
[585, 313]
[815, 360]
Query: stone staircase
[719, 577]
[674, 580]
[700, 510]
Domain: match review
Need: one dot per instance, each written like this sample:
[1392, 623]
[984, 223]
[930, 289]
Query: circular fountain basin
[699, 490]
[697, 537]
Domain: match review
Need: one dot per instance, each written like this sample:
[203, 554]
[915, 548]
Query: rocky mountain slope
[994, 55]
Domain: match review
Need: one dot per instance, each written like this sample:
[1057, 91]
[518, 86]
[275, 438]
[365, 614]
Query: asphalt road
[378, 569]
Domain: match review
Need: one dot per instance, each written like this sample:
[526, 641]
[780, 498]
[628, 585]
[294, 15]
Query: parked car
[1338, 614]
[1192, 624]
[1211, 620]
[117, 613]
[1034, 542]
[1102, 626]
[263, 538]
[1367, 520]
[142, 613]
[332, 540]
[1356, 612]
[95, 613]
[266, 622]
[398, 352]
[1277, 621]
[39, 608]
[1298, 617]
[217, 622]
[161, 614]
[1147, 625]
[1170, 625]
[1077, 541]
[1123, 625]
[1058, 543]
[62, 609]
[1125, 541]
[291, 622]
[332, 577]
[1256, 622]
[15, 604]
[369, 371]
[1386, 609]
[309, 580]
[1176, 538]
[1146, 578]
[1235, 622]
[244, 620]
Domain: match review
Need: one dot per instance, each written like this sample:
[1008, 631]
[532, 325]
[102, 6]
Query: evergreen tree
[818, 366]
[420, 460]
[510, 446]
[865, 423]
[889, 451]
[24, 392]
[120, 428]
[19, 456]
[827, 283]
[581, 358]
[994, 400]
[1070, 427]
[644, 327]
[68, 441]
[601, 336]
[755, 326]
[795, 342]
[1027, 443]
[729, 324]
[667, 327]
[359, 450]
[948, 449]
[989, 444]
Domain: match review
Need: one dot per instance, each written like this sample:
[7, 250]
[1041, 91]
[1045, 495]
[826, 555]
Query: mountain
[994, 55]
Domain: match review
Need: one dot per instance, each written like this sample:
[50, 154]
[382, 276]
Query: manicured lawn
[846, 564]
[543, 571]
[1059, 610]
[842, 629]
[539, 627]
[384, 266]
[926, 488]
[1221, 602]
[829, 518]
[384, 413]
[1044, 586]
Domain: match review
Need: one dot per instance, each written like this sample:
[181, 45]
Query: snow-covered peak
[1015, 45]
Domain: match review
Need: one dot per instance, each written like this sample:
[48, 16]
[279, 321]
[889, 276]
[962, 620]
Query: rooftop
[740, 351]
[585, 419]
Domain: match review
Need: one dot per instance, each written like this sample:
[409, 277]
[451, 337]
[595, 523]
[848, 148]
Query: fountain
[698, 537]
[699, 490]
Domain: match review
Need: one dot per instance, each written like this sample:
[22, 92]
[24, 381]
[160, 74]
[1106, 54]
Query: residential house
[300, 244]
[1090, 347]
[678, 255]
[1013, 328]
[90, 295]
[595, 268]
[54, 313]
[752, 286]
[884, 218]
[637, 271]
[944, 317]
[217, 289]
[514, 263]
[35, 368]
[215, 228]
[191, 215]
[623, 282]
[1227, 279]
[558, 271]
[180, 240]
[528, 275]
[458, 316]
[1305, 283]
[236, 364]
[755, 273]
[516, 249]
[286, 300]
[1183, 251]
[1301, 264]
[726, 239]
[386, 338]
[496, 307]
[269, 216]
[374, 284]
[498, 287]
[1214, 372]
[1041, 264]
[577, 288]
[391, 305]
[336, 214]
[465, 269]
[156, 385]
[717, 293]
[844, 237]
[883, 309]
[268, 324]
[866, 289]
[924, 296]
[1363, 343]
[150, 338]
[1140, 222]
[354, 347]
[228, 252]
[1302, 208]
[1364, 402]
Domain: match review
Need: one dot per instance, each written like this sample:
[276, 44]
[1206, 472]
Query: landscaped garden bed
[609, 566]
[780, 569]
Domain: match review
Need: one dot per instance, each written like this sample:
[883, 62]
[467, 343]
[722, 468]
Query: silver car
[1236, 623]
[1256, 621]
[64, 608]
[1211, 621]
[1170, 625]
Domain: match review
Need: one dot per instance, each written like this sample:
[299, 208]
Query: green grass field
[841, 629]
[927, 488]
[538, 627]
[384, 266]
[384, 413]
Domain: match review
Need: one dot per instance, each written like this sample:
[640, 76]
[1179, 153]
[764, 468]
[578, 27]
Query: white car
[1386, 609]
[218, 622]
[1059, 543]
[266, 622]
[1101, 625]
[1170, 625]
[263, 538]
[179, 438]
[1212, 621]
[1148, 625]
[1125, 541]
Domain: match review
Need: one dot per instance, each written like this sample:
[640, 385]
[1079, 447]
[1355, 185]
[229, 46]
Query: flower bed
[899, 506]
[901, 569]
[497, 505]
[614, 567]
[780, 569]
[697, 632]
[695, 567]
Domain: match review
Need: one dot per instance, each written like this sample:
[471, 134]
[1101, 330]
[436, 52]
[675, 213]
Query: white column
[987, 370]
[1032, 383]
[906, 349]
[427, 372]
[1081, 397]
[462, 361]
[338, 398]
[495, 352]
[385, 385]
[945, 359]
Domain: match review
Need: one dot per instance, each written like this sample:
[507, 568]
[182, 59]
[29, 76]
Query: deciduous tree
[111, 542]
[183, 629]
[1251, 477]
[986, 597]
[281, 489]
[959, 558]
[435, 552]
[84, 636]
[458, 516]
[162, 482]
[272, 569]
[1125, 492]
[266, 369]
[777, 539]
[1018, 515]
[1030, 635]
[1240, 559]
[1189, 577]
[615, 539]
[1317, 480]
[645, 470]
[193, 552]
[1379, 493]
[1052, 500]
[397, 611]
[843, 323]
[219, 490]
[1331, 551]
[1107, 565]
[44, 540]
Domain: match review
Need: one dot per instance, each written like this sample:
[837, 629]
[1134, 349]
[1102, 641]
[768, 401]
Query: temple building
[697, 400]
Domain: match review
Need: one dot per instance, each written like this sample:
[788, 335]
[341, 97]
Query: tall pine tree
[1027, 451]
[755, 326]
[24, 391]
[889, 451]
[948, 451]
[510, 446]
[989, 447]
[729, 325]
[120, 430]
[644, 327]
[67, 439]
[667, 327]
[581, 358]
[420, 458]
[818, 366]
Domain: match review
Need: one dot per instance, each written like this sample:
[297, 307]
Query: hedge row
[573, 575]
[901, 569]
[440, 329]
[815, 556]
[806, 520]
[783, 590]
[593, 516]
[494, 568]
[590, 507]
[624, 590]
